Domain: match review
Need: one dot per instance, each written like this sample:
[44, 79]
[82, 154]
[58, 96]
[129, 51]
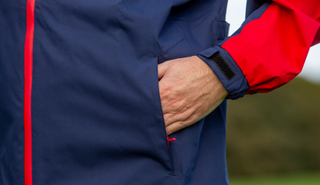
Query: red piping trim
[28, 63]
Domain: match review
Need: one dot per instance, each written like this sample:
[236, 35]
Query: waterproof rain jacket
[79, 97]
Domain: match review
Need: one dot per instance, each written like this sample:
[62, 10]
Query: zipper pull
[169, 140]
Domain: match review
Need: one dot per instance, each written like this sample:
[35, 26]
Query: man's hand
[189, 90]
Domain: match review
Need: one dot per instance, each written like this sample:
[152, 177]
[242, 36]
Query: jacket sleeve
[269, 49]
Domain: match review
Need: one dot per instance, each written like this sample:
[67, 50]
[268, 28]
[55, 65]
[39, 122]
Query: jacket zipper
[28, 64]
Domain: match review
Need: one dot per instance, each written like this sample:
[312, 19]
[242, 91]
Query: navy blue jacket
[79, 97]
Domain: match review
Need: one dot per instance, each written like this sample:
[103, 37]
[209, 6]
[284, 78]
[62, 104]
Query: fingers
[176, 126]
[162, 68]
[173, 128]
[176, 122]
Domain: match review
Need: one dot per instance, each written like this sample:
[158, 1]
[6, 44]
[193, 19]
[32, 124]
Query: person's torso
[95, 105]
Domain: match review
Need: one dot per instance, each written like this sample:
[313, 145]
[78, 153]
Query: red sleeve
[272, 49]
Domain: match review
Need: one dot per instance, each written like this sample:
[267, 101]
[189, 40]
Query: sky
[236, 15]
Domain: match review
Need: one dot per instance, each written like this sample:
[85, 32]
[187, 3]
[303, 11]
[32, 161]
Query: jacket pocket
[183, 150]
[220, 30]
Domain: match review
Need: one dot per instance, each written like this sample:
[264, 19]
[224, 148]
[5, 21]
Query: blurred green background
[274, 138]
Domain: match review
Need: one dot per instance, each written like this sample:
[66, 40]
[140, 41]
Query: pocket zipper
[169, 140]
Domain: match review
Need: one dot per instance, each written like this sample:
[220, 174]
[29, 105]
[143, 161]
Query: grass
[292, 179]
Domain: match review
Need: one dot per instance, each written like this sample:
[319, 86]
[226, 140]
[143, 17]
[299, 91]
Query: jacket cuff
[227, 70]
